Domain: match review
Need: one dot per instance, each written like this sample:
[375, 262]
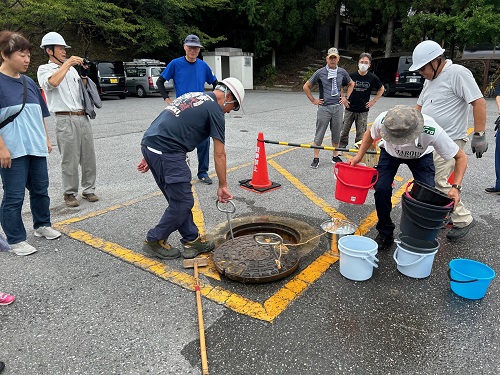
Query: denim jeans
[27, 172]
[422, 170]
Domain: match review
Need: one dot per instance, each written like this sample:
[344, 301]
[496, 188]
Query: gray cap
[192, 41]
[401, 125]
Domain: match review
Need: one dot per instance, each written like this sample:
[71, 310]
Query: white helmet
[236, 88]
[53, 39]
[424, 53]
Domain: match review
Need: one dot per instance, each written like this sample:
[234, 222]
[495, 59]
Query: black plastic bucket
[417, 245]
[426, 211]
[422, 222]
[428, 194]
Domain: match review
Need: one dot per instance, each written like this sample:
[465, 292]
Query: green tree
[135, 26]
[454, 24]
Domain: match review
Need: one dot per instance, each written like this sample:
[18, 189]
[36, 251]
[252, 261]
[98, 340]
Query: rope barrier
[329, 148]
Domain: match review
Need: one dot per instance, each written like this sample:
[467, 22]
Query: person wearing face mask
[62, 85]
[359, 103]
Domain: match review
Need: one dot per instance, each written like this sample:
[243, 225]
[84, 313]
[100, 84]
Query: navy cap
[192, 41]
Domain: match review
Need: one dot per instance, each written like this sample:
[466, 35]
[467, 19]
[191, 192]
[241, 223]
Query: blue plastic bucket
[470, 279]
[357, 257]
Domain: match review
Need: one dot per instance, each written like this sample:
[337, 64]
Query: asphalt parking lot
[92, 303]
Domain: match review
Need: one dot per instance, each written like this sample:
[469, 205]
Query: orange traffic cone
[260, 181]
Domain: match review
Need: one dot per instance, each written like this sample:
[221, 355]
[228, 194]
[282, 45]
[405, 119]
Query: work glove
[479, 144]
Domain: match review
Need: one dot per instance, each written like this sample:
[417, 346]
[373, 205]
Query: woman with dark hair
[24, 146]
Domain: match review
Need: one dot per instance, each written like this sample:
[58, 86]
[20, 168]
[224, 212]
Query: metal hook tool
[231, 210]
[272, 240]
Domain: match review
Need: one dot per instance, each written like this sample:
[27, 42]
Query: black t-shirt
[363, 86]
[185, 123]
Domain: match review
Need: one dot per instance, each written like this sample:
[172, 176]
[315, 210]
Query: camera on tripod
[86, 61]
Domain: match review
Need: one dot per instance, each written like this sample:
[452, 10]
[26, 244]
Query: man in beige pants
[62, 85]
[448, 90]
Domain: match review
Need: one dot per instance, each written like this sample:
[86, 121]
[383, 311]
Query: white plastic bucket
[411, 264]
[357, 257]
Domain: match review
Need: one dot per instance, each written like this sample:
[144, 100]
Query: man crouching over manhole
[184, 124]
[408, 138]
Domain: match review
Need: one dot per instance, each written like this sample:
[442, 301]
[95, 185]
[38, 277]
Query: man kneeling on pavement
[408, 137]
[184, 124]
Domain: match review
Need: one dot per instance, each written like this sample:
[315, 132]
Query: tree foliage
[149, 27]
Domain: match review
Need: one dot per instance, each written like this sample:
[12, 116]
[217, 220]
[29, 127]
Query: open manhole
[249, 259]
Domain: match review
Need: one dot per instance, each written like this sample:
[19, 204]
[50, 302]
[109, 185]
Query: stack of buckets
[425, 212]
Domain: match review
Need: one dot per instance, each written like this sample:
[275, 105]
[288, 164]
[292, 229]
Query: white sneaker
[47, 232]
[22, 248]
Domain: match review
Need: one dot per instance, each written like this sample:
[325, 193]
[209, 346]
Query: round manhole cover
[242, 259]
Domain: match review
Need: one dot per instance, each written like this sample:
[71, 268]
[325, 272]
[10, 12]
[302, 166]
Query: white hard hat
[424, 53]
[53, 39]
[236, 88]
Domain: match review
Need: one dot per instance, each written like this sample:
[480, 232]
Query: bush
[267, 75]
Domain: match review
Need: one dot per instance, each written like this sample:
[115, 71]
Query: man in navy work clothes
[408, 137]
[190, 74]
[183, 124]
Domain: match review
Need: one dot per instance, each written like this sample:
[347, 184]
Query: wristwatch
[458, 187]
[479, 133]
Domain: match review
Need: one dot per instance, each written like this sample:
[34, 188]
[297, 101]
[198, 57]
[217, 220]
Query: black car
[109, 77]
[394, 74]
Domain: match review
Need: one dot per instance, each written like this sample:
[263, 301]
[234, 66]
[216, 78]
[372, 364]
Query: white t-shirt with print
[433, 137]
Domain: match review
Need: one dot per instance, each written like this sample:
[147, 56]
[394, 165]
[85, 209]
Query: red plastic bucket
[353, 182]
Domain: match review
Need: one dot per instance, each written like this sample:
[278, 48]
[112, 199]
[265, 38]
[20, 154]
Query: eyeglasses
[236, 105]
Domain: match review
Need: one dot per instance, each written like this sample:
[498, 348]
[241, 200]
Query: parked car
[142, 75]
[109, 77]
[394, 74]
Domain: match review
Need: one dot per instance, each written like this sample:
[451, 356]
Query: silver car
[142, 75]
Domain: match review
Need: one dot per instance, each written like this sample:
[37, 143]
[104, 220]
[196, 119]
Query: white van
[142, 75]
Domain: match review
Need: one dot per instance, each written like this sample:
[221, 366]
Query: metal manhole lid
[242, 259]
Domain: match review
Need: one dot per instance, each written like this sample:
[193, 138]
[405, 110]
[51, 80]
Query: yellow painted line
[320, 202]
[198, 217]
[266, 311]
[109, 209]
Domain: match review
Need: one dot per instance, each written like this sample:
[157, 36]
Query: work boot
[71, 200]
[455, 233]
[194, 248]
[91, 197]
[160, 249]
[384, 242]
